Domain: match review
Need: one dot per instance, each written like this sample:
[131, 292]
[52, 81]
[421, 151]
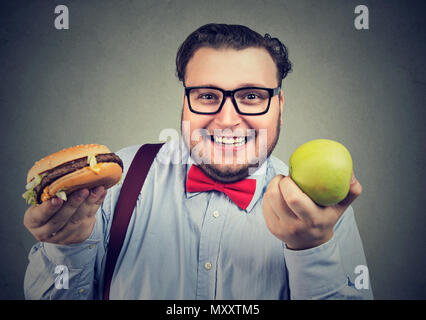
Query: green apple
[322, 168]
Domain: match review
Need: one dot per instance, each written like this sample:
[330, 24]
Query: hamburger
[61, 173]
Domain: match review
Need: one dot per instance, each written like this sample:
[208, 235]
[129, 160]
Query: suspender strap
[126, 202]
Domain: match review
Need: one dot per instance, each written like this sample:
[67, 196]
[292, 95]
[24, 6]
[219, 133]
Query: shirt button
[208, 266]
[216, 214]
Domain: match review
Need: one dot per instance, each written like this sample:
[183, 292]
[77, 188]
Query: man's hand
[298, 221]
[60, 222]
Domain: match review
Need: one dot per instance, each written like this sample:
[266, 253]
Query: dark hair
[233, 36]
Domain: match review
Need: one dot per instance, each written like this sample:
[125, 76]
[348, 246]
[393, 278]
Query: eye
[207, 96]
[252, 96]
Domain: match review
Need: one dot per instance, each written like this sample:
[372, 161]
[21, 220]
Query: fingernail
[82, 193]
[55, 202]
[98, 190]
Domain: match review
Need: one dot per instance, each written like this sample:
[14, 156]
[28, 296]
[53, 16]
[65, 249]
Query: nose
[228, 116]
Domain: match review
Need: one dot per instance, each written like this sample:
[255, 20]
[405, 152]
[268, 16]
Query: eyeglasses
[251, 101]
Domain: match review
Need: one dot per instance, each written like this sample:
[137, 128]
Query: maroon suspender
[126, 202]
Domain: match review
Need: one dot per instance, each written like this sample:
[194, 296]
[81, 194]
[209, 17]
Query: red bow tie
[241, 192]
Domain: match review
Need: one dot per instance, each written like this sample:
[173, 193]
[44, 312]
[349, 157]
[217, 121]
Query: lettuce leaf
[29, 196]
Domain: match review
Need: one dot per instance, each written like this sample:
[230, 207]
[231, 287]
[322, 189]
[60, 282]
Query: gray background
[110, 80]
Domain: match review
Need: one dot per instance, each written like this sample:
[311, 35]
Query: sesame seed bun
[55, 159]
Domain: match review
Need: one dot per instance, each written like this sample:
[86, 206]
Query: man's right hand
[65, 222]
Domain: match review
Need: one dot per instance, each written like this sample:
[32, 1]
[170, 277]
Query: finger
[276, 201]
[299, 203]
[272, 192]
[90, 205]
[73, 233]
[37, 215]
[273, 184]
[355, 190]
[57, 221]
[271, 218]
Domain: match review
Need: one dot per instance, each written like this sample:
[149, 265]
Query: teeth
[238, 141]
[227, 140]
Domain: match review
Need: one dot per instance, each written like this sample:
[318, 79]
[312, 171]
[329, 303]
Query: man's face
[230, 69]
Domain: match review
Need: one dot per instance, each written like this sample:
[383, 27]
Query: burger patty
[53, 174]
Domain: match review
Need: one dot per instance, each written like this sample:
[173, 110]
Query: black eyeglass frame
[230, 93]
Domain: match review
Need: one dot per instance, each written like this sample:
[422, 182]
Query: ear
[281, 106]
[183, 100]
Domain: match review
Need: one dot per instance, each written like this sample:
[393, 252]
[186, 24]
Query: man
[183, 243]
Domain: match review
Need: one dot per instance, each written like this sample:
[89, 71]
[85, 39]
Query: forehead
[229, 68]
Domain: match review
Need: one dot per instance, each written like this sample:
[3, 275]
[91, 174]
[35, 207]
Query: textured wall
[110, 79]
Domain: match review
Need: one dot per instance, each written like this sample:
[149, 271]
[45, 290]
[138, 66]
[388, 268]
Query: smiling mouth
[231, 141]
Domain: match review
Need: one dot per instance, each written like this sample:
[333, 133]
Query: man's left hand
[298, 221]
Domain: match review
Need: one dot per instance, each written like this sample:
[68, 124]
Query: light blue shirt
[182, 245]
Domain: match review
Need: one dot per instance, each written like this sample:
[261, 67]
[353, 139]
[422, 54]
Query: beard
[228, 173]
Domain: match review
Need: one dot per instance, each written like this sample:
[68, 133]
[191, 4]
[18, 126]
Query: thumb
[355, 190]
